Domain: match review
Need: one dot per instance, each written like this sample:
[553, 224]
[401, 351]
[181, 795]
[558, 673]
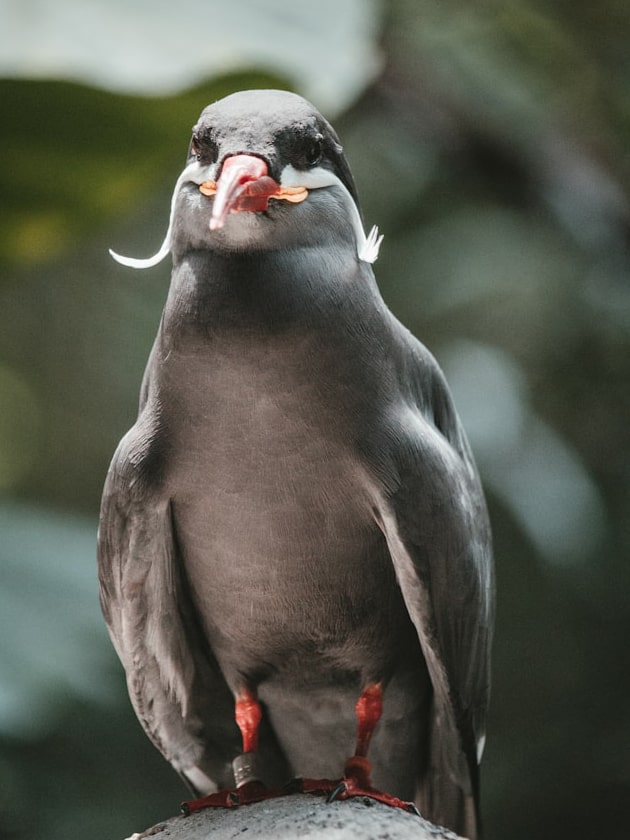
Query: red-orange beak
[244, 184]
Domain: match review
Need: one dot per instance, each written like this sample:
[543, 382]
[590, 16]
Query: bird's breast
[272, 508]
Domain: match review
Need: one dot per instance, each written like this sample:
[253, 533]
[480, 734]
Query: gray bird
[294, 526]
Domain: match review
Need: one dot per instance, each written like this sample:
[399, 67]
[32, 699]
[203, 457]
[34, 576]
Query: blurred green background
[490, 144]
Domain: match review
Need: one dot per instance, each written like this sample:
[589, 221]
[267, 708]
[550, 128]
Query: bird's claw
[296, 785]
[349, 788]
[245, 794]
[338, 792]
[333, 790]
[221, 799]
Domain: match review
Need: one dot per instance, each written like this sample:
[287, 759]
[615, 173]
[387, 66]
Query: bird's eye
[203, 147]
[313, 153]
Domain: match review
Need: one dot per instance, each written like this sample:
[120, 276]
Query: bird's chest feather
[271, 505]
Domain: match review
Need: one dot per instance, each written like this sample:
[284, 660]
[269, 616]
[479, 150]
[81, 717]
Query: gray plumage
[296, 509]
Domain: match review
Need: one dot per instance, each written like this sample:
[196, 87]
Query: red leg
[356, 781]
[358, 767]
[369, 709]
[248, 715]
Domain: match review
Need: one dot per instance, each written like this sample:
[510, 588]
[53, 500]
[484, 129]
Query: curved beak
[244, 184]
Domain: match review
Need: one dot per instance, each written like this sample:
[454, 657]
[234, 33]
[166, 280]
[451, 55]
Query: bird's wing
[175, 684]
[434, 518]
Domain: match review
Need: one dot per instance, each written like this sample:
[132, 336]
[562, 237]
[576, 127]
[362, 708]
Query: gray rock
[299, 815]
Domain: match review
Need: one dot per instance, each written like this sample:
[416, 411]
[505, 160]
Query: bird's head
[264, 170]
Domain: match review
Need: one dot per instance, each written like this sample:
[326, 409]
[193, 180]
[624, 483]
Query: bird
[294, 549]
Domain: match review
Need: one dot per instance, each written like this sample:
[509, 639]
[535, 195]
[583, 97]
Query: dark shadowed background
[490, 144]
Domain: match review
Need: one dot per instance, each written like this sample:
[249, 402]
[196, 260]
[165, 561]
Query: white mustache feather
[319, 178]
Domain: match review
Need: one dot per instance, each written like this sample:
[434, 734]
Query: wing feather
[434, 518]
[174, 683]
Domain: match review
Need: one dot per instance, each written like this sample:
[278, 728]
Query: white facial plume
[318, 178]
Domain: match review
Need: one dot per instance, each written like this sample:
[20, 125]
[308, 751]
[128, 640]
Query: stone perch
[299, 816]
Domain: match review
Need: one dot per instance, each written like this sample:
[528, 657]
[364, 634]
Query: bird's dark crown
[280, 127]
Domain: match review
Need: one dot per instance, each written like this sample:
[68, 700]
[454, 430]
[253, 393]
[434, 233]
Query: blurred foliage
[492, 152]
[74, 156]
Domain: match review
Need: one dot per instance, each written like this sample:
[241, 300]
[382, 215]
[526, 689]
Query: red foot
[348, 789]
[356, 782]
[221, 799]
[245, 795]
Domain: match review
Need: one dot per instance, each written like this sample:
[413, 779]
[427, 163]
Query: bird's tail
[446, 798]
